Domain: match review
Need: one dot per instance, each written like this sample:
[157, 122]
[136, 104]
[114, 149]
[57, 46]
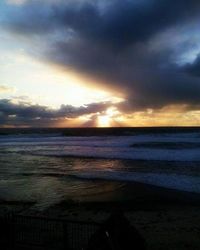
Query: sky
[102, 63]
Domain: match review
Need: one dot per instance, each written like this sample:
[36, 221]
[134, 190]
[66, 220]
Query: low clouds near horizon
[148, 50]
[27, 114]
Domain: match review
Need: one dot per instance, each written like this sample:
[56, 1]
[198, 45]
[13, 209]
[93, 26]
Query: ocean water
[48, 168]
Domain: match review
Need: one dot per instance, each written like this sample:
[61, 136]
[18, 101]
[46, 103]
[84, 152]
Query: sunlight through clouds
[112, 63]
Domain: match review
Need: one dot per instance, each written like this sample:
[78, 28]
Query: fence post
[8, 231]
[65, 235]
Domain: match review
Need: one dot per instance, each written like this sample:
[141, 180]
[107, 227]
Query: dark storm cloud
[148, 78]
[121, 23]
[125, 22]
[193, 68]
[111, 42]
[28, 114]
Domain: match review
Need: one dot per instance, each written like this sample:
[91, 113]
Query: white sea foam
[112, 147]
[172, 181]
[127, 153]
[102, 141]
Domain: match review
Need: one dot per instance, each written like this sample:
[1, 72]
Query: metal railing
[29, 232]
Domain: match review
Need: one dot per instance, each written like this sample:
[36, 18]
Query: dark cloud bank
[30, 115]
[114, 42]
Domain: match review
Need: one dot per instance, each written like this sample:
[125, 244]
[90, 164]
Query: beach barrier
[30, 232]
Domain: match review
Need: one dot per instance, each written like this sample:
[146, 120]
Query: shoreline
[127, 197]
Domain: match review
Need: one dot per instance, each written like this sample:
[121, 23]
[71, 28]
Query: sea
[49, 166]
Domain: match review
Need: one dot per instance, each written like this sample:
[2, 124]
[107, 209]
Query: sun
[108, 117]
[104, 121]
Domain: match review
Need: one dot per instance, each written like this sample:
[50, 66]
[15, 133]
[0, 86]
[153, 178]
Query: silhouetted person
[116, 234]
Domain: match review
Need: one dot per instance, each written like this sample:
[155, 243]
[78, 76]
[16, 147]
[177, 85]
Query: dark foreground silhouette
[28, 232]
[20, 232]
[116, 234]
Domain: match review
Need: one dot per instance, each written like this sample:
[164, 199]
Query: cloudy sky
[99, 63]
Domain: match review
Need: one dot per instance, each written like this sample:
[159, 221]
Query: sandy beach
[167, 219]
